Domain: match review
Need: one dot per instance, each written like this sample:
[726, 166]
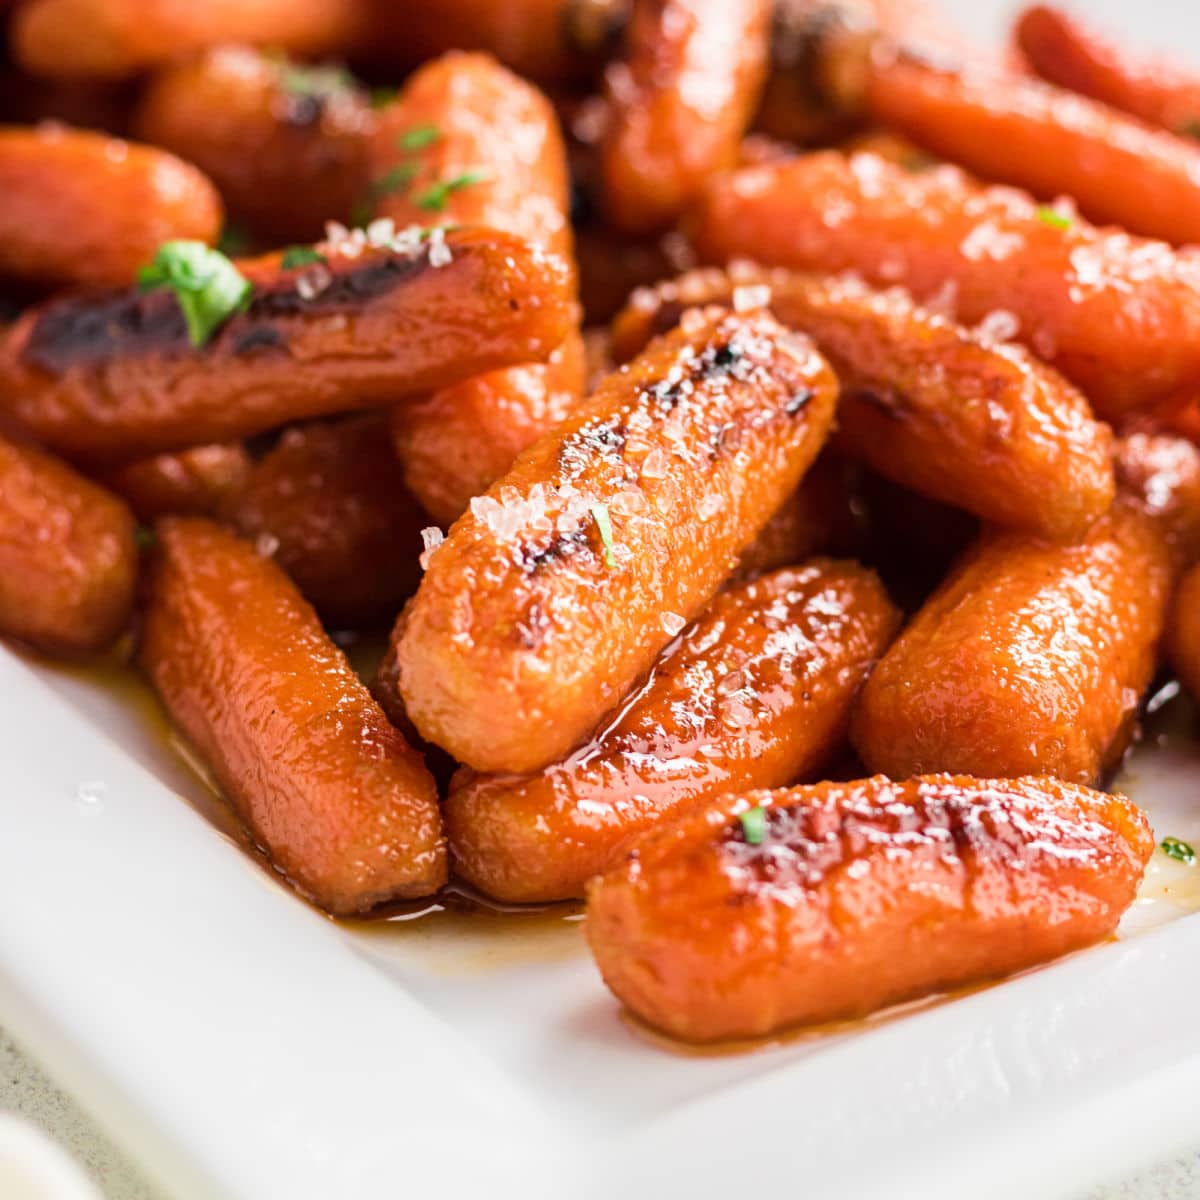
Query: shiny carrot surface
[756, 693]
[192, 483]
[779, 908]
[343, 806]
[1183, 632]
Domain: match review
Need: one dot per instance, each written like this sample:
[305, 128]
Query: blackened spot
[532, 558]
[513, 305]
[798, 400]
[304, 111]
[720, 362]
[349, 289]
[583, 204]
[264, 338]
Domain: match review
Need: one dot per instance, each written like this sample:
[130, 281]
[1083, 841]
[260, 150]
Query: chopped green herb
[208, 287]
[754, 826]
[418, 137]
[604, 525]
[394, 180]
[234, 241]
[1051, 216]
[381, 97]
[434, 199]
[1172, 847]
[300, 256]
[145, 537]
[1191, 127]
[317, 83]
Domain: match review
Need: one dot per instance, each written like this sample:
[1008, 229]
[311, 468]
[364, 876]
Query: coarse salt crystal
[745, 299]
[439, 252]
[672, 623]
[313, 281]
[999, 326]
[432, 537]
[266, 544]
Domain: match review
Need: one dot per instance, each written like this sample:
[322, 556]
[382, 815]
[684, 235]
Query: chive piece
[604, 525]
[1052, 217]
[434, 199]
[394, 180]
[1180, 851]
[208, 287]
[234, 240]
[418, 137]
[317, 83]
[300, 256]
[754, 825]
[381, 97]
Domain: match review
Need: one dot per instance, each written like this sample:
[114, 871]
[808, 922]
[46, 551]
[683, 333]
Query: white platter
[242, 1047]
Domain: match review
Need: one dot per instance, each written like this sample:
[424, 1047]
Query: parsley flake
[418, 137]
[1180, 851]
[314, 83]
[604, 525]
[1052, 217]
[208, 287]
[300, 256]
[434, 199]
[394, 180]
[381, 97]
[754, 825]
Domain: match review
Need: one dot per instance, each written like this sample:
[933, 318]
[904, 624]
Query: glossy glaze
[113, 375]
[286, 160]
[192, 483]
[1183, 631]
[679, 101]
[84, 208]
[329, 506]
[956, 414]
[68, 559]
[860, 895]
[1160, 473]
[342, 804]
[522, 636]
[1030, 659]
[490, 123]
[1118, 315]
[755, 694]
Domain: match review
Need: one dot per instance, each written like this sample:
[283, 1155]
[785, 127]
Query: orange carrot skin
[112, 39]
[342, 804]
[1160, 474]
[68, 559]
[1063, 52]
[756, 694]
[491, 127]
[525, 609]
[285, 161]
[948, 412]
[455, 443]
[680, 102]
[707, 935]
[1118, 315]
[84, 208]
[1031, 658]
[111, 375]
[1052, 142]
[328, 505]
[1183, 632]
[192, 483]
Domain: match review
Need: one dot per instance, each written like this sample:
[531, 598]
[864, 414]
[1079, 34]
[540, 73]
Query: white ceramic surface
[32, 1167]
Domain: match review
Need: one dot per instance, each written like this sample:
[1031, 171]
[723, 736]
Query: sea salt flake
[672, 623]
[432, 537]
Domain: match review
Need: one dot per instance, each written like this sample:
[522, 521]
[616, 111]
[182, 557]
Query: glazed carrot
[1064, 52]
[612, 265]
[113, 375]
[1160, 474]
[1183, 632]
[1119, 316]
[80, 207]
[756, 693]
[680, 102]
[952, 413]
[342, 804]
[68, 560]
[469, 143]
[116, 38]
[286, 144]
[329, 506]
[556, 592]
[1030, 659]
[1053, 142]
[793, 907]
[193, 483]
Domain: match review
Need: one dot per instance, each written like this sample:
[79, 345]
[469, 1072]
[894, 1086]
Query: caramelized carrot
[192, 483]
[1183, 632]
[68, 560]
[954, 414]
[557, 591]
[113, 375]
[80, 207]
[286, 144]
[1030, 659]
[1160, 474]
[110, 39]
[1062, 51]
[329, 506]
[342, 804]
[1119, 316]
[1053, 142]
[680, 102]
[469, 143]
[756, 693]
[781, 908]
